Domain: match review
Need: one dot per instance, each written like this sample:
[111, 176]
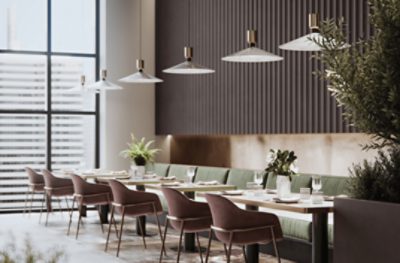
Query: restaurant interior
[200, 131]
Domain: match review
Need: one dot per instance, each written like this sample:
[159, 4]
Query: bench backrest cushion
[161, 169]
[334, 185]
[179, 171]
[240, 177]
[205, 173]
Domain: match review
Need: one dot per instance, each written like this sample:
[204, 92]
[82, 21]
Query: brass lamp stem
[140, 64]
[103, 74]
[188, 53]
[251, 36]
[313, 22]
[83, 80]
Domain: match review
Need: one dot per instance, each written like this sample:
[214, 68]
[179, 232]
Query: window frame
[49, 112]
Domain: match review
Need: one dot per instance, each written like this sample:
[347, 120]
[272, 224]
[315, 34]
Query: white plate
[233, 192]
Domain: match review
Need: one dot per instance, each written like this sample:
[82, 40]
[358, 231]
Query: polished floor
[16, 230]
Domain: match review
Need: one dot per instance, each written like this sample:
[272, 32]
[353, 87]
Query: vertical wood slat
[239, 98]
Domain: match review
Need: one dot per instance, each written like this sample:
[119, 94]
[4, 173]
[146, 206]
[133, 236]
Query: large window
[45, 46]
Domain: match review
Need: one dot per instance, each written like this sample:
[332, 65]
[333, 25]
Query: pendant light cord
[140, 29]
[188, 11]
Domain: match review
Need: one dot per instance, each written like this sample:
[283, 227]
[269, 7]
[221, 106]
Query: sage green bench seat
[240, 177]
[206, 173]
[179, 171]
[161, 169]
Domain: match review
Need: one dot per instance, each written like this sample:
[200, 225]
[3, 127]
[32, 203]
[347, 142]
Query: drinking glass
[305, 193]
[258, 177]
[190, 173]
[316, 183]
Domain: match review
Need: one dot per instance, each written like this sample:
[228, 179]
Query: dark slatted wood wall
[279, 97]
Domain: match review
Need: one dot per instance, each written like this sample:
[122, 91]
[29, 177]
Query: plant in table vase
[282, 164]
[140, 152]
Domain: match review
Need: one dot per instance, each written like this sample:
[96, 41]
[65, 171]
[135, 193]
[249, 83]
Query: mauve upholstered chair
[88, 194]
[186, 216]
[132, 203]
[56, 187]
[35, 186]
[233, 225]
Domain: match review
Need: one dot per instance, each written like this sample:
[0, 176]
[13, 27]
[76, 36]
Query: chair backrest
[34, 177]
[178, 204]
[80, 185]
[225, 214]
[205, 173]
[49, 178]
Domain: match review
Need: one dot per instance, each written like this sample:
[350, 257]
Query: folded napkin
[207, 182]
[150, 176]
[122, 172]
[171, 184]
[169, 178]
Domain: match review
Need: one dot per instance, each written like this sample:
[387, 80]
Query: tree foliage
[365, 79]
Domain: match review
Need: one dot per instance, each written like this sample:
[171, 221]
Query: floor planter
[366, 231]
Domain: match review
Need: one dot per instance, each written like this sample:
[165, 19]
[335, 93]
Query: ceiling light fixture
[140, 76]
[188, 66]
[103, 84]
[309, 41]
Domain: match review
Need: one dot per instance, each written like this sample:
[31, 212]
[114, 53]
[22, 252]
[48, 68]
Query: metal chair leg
[120, 231]
[109, 227]
[70, 216]
[142, 232]
[244, 254]
[275, 246]
[30, 208]
[48, 198]
[159, 231]
[228, 260]
[180, 241]
[209, 245]
[198, 244]
[163, 240]
[226, 250]
[79, 219]
[41, 207]
[101, 223]
[26, 200]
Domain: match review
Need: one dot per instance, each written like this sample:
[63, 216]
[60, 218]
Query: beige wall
[131, 110]
[317, 153]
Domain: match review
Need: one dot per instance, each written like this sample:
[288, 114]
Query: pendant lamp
[252, 53]
[79, 88]
[307, 42]
[103, 84]
[188, 66]
[140, 76]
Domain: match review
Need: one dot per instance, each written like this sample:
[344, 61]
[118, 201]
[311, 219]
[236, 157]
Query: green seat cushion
[334, 185]
[179, 171]
[205, 173]
[270, 181]
[300, 181]
[161, 169]
[296, 228]
[240, 177]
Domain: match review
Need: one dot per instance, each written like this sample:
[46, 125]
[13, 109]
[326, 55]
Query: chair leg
[101, 224]
[244, 254]
[66, 202]
[159, 231]
[120, 231]
[226, 250]
[275, 246]
[198, 244]
[26, 200]
[48, 198]
[79, 219]
[180, 241]
[228, 260]
[163, 240]
[109, 227]
[142, 232]
[41, 207]
[70, 215]
[30, 208]
[209, 245]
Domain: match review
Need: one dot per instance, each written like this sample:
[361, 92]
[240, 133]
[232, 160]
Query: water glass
[305, 193]
[316, 183]
[190, 173]
[258, 177]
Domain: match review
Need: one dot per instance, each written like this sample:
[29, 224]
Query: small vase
[137, 171]
[283, 186]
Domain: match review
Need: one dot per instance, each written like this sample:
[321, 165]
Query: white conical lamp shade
[140, 76]
[188, 67]
[103, 84]
[252, 54]
[81, 88]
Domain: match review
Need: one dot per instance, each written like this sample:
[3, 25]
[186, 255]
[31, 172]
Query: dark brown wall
[280, 97]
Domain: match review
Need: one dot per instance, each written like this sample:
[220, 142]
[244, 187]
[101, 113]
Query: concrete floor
[17, 229]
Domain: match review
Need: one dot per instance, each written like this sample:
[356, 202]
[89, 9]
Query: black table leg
[141, 221]
[320, 238]
[252, 251]
[104, 209]
[190, 237]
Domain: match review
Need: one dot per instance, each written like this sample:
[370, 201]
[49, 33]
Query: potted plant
[281, 163]
[365, 81]
[140, 153]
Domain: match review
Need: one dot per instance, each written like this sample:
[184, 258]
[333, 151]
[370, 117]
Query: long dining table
[319, 221]
[190, 191]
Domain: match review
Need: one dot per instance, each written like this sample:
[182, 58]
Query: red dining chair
[88, 194]
[35, 186]
[56, 187]
[185, 216]
[233, 225]
[132, 203]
